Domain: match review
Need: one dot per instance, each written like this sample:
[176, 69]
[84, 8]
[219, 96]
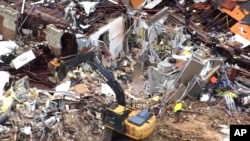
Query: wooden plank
[53, 12]
[236, 29]
[202, 34]
[237, 13]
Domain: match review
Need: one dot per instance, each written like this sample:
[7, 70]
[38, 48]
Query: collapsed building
[178, 68]
[58, 25]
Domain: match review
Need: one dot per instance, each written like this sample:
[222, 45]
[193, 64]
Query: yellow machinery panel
[136, 132]
[140, 132]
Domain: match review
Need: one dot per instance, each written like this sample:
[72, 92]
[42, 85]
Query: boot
[177, 117]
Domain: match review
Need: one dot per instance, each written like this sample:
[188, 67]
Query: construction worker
[161, 49]
[187, 15]
[132, 41]
[195, 39]
[214, 44]
[177, 110]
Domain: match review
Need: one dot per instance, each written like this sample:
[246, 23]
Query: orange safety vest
[213, 80]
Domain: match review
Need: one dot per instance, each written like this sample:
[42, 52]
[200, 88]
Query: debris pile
[37, 114]
[69, 109]
[57, 71]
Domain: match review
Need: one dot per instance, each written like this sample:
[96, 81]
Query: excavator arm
[133, 123]
[92, 59]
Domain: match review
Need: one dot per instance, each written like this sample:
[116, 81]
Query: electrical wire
[136, 18]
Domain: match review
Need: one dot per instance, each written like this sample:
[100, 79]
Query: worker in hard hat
[161, 48]
[187, 15]
[177, 110]
[195, 39]
[214, 44]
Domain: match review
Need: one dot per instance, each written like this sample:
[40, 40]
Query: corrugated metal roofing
[245, 5]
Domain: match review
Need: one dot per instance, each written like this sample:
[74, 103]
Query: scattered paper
[64, 87]
[7, 47]
[105, 89]
[205, 97]
[23, 59]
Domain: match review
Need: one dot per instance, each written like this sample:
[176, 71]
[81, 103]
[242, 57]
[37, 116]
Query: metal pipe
[25, 18]
[245, 57]
[22, 10]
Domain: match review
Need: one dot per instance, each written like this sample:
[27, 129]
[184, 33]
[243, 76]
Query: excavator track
[107, 135]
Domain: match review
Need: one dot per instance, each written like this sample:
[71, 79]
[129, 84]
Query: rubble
[179, 62]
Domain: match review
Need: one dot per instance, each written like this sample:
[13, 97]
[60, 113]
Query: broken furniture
[162, 77]
[196, 72]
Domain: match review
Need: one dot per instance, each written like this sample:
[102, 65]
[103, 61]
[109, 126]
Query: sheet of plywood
[241, 29]
[137, 3]
[237, 13]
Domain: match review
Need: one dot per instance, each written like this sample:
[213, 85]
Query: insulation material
[7, 47]
[105, 89]
[242, 40]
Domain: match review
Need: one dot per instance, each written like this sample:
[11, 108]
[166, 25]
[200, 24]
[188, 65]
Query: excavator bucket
[107, 134]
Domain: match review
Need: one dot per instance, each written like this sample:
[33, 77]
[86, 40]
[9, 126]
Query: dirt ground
[200, 120]
[194, 126]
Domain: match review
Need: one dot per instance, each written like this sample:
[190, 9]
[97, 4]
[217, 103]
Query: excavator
[117, 118]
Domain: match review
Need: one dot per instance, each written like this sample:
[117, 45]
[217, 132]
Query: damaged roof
[163, 12]
[51, 16]
[240, 12]
[103, 12]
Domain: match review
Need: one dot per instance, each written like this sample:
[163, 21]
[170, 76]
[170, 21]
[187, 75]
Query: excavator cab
[136, 124]
[114, 116]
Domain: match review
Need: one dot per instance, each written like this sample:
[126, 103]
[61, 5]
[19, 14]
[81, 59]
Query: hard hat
[193, 32]
[187, 8]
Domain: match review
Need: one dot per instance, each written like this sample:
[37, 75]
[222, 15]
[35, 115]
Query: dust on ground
[200, 120]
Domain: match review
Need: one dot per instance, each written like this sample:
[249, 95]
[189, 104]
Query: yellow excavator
[133, 123]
